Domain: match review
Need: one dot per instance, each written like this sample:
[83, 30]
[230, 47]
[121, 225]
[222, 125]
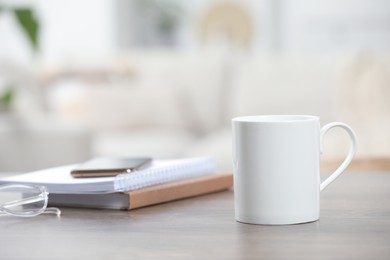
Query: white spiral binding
[149, 177]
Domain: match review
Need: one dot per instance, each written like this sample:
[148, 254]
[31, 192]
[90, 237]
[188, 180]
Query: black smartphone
[108, 166]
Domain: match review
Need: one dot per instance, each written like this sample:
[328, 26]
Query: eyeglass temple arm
[52, 210]
[24, 201]
[37, 198]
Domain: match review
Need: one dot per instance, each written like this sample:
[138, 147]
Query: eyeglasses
[25, 200]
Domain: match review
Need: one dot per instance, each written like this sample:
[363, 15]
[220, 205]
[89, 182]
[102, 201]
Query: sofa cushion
[132, 106]
[286, 85]
[113, 106]
[166, 89]
[196, 79]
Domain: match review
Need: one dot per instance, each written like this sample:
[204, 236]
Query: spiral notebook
[58, 180]
[148, 196]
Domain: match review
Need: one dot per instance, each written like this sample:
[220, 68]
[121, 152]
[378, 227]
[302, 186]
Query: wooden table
[354, 224]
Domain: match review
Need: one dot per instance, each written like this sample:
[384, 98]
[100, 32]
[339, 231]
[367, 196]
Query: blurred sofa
[173, 104]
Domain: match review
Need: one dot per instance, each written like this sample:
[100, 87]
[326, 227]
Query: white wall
[77, 28]
[335, 25]
[91, 28]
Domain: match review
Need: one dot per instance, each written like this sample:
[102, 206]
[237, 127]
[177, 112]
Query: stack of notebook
[162, 181]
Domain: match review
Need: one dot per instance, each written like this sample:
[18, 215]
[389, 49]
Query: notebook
[58, 180]
[147, 196]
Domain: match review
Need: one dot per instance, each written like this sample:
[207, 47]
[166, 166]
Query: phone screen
[110, 166]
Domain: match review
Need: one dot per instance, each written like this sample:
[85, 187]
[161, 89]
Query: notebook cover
[146, 196]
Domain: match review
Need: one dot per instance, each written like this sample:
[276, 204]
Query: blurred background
[163, 78]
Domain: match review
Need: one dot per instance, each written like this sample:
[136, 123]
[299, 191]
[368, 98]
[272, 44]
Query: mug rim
[275, 118]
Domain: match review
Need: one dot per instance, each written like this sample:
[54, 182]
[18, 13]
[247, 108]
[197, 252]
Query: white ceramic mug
[276, 162]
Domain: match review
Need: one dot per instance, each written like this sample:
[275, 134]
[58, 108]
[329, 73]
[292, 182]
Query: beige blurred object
[228, 22]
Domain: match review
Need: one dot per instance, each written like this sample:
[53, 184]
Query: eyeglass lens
[24, 200]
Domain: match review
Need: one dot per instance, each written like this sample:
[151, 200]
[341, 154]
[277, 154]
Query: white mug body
[276, 161]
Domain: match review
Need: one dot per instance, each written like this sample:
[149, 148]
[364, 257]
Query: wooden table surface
[354, 224]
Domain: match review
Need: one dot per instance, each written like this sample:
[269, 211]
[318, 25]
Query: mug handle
[348, 159]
